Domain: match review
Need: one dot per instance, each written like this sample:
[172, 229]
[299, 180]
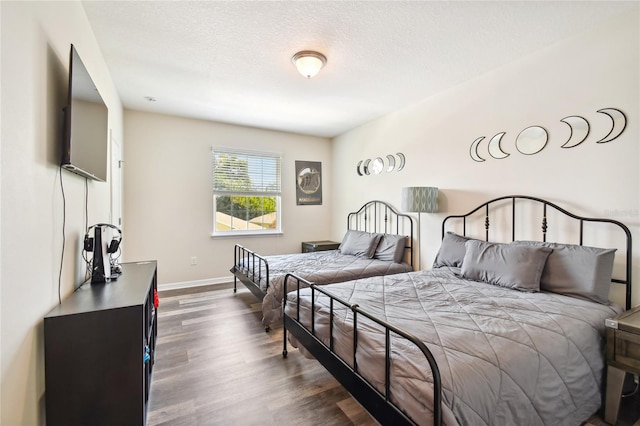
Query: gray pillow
[359, 243]
[391, 248]
[451, 250]
[507, 265]
[575, 270]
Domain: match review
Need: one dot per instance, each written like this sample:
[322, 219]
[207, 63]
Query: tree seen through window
[246, 192]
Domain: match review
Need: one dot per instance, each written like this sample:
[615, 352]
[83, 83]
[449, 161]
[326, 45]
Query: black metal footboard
[251, 269]
[377, 403]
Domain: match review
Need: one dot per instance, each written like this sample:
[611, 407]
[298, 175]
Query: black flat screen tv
[86, 134]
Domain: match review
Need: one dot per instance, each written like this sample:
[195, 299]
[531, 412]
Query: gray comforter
[321, 267]
[506, 357]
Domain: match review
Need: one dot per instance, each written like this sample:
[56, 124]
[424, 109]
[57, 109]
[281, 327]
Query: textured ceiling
[230, 61]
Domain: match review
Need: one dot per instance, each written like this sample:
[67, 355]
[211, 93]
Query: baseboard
[197, 283]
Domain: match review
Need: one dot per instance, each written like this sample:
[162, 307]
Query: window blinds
[247, 173]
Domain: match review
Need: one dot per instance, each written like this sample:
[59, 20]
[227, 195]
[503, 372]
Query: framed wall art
[308, 183]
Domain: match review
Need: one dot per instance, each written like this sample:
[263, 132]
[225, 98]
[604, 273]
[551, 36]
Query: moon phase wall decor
[619, 123]
[377, 165]
[473, 151]
[365, 166]
[391, 161]
[494, 147]
[533, 139]
[578, 128]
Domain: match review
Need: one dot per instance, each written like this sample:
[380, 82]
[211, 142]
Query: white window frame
[261, 192]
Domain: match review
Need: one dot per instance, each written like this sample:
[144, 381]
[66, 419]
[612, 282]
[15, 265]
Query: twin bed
[495, 333]
[378, 241]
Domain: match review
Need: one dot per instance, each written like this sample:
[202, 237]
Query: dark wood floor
[215, 365]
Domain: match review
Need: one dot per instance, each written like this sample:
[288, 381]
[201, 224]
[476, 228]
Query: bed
[469, 342]
[378, 241]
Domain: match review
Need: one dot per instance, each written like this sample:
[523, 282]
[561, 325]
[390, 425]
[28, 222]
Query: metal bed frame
[544, 228]
[374, 216]
[377, 403]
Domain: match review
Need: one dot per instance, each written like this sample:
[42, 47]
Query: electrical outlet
[194, 260]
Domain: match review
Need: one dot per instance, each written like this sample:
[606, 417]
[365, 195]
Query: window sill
[236, 234]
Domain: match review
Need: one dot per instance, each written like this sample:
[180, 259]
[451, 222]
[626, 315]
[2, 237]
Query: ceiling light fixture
[308, 62]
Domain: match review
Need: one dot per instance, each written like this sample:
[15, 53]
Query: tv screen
[86, 124]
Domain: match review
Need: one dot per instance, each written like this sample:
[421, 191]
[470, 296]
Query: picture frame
[308, 183]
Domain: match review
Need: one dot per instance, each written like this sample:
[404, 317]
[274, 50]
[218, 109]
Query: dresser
[99, 350]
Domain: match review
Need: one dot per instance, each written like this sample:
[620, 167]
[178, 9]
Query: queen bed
[509, 333]
[378, 241]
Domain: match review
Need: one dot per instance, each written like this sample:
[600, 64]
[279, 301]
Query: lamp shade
[420, 199]
[308, 62]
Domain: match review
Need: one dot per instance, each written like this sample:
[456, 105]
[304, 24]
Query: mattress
[505, 356]
[321, 267]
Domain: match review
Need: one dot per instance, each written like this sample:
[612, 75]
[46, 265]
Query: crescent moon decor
[619, 123]
[392, 163]
[579, 128]
[473, 150]
[532, 140]
[403, 160]
[365, 167]
[377, 165]
[494, 147]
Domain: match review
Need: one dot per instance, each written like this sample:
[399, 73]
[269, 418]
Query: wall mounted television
[85, 140]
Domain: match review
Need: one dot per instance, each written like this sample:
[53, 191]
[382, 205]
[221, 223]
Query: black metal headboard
[500, 202]
[380, 217]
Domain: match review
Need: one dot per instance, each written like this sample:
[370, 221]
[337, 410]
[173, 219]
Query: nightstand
[623, 356]
[311, 246]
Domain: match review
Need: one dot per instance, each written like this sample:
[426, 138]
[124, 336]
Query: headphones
[114, 245]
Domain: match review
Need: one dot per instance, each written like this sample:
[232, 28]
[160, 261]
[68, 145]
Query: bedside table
[623, 356]
[311, 246]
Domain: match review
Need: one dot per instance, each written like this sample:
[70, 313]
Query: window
[246, 192]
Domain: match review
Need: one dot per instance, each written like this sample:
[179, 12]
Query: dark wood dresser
[99, 347]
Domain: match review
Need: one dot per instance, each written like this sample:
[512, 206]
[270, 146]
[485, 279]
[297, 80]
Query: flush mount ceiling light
[308, 62]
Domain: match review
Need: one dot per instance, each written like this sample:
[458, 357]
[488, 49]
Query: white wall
[36, 39]
[167, 198]
[594, 70]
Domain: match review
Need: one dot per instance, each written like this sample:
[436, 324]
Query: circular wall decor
[532, 140]
[377, 165]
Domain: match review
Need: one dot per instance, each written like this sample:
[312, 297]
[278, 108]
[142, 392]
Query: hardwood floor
[215, 365]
